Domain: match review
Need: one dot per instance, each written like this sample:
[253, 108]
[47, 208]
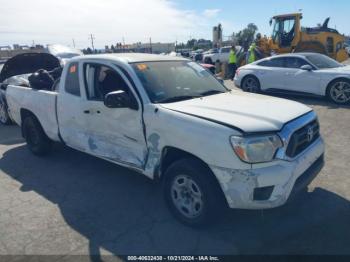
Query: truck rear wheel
[38, 142]
[192, 193]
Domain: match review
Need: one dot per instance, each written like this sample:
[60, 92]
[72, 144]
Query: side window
[72, 80]
[101, 80]
[274, 62]
[295, 62]
[330, 44]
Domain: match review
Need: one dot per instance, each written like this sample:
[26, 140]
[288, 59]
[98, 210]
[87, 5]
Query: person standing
[251, 54]
[232, 62]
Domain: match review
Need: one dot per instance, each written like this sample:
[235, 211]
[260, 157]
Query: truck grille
[303, 138]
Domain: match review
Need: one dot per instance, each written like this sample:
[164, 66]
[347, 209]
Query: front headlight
[256, 149]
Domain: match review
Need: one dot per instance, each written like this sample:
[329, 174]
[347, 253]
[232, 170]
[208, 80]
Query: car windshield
[322, 61]
[173, 81]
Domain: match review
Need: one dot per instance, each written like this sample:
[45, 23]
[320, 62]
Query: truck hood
[249, 113]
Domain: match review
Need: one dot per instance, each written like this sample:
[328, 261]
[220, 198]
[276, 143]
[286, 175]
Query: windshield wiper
[212, 92]
[177, 98]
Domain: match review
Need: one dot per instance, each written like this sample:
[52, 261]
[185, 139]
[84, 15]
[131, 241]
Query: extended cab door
[116, 134]
[70, 116]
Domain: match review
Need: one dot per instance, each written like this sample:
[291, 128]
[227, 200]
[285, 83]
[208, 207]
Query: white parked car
[299, 73]
[171, 120]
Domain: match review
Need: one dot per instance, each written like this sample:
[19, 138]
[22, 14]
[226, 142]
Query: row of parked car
[171, 120]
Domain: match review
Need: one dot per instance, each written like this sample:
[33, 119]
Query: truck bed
[42, 103]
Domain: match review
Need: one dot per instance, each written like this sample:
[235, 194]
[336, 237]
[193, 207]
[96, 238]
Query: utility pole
[92, 38]
[73, 42]
[150, 44]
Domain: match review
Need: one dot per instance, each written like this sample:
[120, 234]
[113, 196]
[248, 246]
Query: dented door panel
[115, 133]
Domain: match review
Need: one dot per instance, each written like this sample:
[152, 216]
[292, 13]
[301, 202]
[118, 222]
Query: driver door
[115, 134]
[298, 80]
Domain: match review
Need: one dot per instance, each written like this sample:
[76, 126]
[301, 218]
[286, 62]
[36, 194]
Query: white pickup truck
[222, 55]
[171, 120]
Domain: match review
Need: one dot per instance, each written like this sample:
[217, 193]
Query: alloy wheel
[251, 85]
[187, 196]
[340, 92]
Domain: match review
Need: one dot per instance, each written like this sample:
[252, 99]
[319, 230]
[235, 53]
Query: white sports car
[299, 73]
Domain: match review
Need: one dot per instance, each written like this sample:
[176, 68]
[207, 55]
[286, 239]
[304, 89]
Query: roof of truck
[134, 57]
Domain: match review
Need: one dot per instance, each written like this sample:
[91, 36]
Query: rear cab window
[72, 85]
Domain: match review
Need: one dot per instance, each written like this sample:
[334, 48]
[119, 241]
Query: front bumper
[237, 82]
[281, 176]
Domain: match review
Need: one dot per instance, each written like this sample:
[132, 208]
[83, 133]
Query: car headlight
[256, 149]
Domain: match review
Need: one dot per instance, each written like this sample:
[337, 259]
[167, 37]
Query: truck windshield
[172, 81]
[322, 61]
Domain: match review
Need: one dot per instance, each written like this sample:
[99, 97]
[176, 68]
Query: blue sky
[111, 21]
[237, 14]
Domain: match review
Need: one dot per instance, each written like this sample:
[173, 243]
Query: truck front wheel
[37, 141]
[192, 193]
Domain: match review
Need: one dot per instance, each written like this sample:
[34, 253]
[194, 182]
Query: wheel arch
[27, 113]
[171, 154]
[331, 82]
[251, 75]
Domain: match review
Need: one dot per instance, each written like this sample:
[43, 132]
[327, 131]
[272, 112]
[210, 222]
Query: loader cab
[285, 30]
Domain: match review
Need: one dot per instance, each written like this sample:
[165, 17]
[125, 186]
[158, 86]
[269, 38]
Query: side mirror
[306, 68]
[119, 99]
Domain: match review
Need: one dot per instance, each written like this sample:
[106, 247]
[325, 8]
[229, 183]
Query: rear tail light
[237, 72]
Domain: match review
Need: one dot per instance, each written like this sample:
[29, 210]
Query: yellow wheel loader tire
[312, 46]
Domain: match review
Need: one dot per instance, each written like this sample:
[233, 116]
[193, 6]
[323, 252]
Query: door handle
[86, 111]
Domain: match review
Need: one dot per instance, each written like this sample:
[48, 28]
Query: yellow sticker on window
[73, 69]
[142, 67]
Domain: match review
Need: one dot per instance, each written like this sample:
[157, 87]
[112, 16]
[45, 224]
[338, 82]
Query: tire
[339, 91]
[4, 116]
[311, 46]
[192, 193]
[250, 84]
[37, 141]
